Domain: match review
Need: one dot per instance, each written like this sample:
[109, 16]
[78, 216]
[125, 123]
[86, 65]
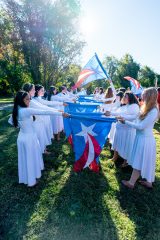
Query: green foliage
[127, 67]
[67, 206]
[147, 76]
[47, 36]
[40, 43]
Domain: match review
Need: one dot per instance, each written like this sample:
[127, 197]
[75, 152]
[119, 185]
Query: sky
[117, 27]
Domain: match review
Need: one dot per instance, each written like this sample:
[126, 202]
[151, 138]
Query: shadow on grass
[141, 205]
[79, 211]
[17, 201]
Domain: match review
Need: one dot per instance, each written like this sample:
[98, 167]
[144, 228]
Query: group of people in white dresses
[36, 117]
[132, 136]
[40, 120]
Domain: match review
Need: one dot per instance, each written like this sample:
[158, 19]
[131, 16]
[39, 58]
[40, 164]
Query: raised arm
[40, 106]
[150, 118]
[128, 113]
[132, 112]
[34, 111]
[50, 103]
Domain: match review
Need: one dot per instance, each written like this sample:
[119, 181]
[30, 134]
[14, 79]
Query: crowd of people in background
[39, 115]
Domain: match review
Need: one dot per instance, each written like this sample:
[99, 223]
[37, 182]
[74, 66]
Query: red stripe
[80, 163]
[79, 83]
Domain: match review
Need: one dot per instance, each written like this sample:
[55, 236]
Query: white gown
[41, 121]
[56, 121]
[111, 134]
[46, 119]
[30, 161]
[124, 134]
[143, 156]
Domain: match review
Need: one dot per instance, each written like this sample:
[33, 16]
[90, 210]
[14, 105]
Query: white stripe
[90, 153]
[83, 75]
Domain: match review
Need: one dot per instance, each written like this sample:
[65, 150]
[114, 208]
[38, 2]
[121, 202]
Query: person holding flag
[143, 157]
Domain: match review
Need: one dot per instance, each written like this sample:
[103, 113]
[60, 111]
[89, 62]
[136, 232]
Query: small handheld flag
[136, 87]
[93, 70]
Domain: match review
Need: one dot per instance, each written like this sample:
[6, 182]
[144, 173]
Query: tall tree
[147, 76]
[127, 67]
[48, 35]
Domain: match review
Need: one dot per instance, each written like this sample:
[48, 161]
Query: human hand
[65, 115]
[121, 119]
[65, 104]
[107, 113]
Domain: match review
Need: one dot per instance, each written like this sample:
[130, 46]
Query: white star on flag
[80, 111]
[86, 130]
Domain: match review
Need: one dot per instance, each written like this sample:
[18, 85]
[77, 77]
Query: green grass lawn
[69, 206]
[6, 100]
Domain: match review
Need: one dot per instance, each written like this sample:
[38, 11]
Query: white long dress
[56, 121]
[44, 136]
[30, 161]
[111, 134]
[143, 155]
[46, 119]
[124, 134]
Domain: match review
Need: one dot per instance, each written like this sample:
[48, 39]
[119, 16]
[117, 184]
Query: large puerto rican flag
[136, 87]
[93, 70]
[88, 134]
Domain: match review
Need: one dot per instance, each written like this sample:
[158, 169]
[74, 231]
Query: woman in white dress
[57, 121]
[108, 98]
[125, 135]
[30, 161]
[143, 156]
[42, 123]
[115, 106]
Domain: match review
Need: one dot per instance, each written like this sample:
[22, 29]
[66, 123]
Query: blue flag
[81, 108]
[93, 70]
[88, 134]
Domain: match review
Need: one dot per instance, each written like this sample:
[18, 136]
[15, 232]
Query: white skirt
[48, 128]
[30, 161]
[123, 141]
[57, 124]
[41, 134]
[112, 133]
[143, 156]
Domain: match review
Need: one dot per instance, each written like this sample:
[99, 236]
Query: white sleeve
[150, 118]
[34, 111]
[50, 103]
[38, 105]
[130, 113]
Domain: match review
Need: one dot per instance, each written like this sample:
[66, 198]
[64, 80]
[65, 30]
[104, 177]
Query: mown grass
[69, 206]
[6, 100]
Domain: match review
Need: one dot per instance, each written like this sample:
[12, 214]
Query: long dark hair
[131, 98]
[18, 101]
[120, 94]
[50, 93]
[37, 88]
[101, 91]
[27, 87]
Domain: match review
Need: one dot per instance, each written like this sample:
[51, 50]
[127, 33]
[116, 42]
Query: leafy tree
[48, 35]
[127, 67]
[111, 64]
[146, 76]
[13, 70]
